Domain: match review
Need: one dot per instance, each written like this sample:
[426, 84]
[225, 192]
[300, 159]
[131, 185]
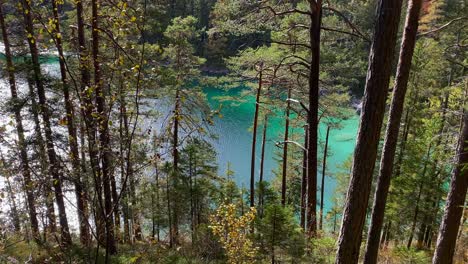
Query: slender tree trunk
[192, 210]
[254, 141]
[123, 174]
[103, 128]
[418, 199]
[169, 213]
[262, 162]
[304, 181]
[375, 95]
[175, 174]
[45, 112]
[312, 115]
[454, 206]
[158, 208]
[393, 127]
[324, 167]
[72, 138]
[51, 226]
[285, 150]
[87, 109]
[6, 173]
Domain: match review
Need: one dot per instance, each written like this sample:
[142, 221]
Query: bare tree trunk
[375, 95]
[254, 141]
[87, 109]
[72, 138]
[45, 112]
[285, 150]
[51, 226]
[304, 180]
[6, 173]
[454, 206]
[393, 127]
[312, 116]
[324, 167]
[175, 152]
[262, 161]
[104, 139]
[418, 198]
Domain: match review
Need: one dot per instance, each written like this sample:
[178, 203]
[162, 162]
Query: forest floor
[21, 251]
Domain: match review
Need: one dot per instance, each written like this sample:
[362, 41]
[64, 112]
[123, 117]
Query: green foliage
[278, 230]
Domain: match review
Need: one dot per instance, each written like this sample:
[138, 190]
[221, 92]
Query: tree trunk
[123, 173]
[72, 138]
[304, 181]
[45, 112]
[324, 166]
[51, 226]
[103, 128]
[312, 115]
[6, 173]
[418, 198]
[87, 108]
[262, 161]
[393, 127]
[285, 150]
[175, 152]
[454, 206]
[375, 95]
[254, 141]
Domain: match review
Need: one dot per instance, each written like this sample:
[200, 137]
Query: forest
[234, 131]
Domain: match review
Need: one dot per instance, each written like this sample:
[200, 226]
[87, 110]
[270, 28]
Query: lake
[233, 144]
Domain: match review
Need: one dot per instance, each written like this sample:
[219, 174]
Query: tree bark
[175, 152]
[262, 161]
[87, 108]
[312, 115]
[418, 198]
[254, 141]
[454, 206]
[393, 127]
[324, 167]
[375, 95]
[45, 112]
[72, 138]
[104, 138]
[285, 150]
[40, 149]
[304, 181]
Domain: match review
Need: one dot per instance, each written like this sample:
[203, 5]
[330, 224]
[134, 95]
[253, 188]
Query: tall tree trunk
[393, 127]
[418, 198]
[454, 206]
[262, 167]
[192, 210]
[322, 186]
[123, 171]
[103, 128]
[312, 115]
[6, 173]
[365, 153]
[72, 138]
[285, 150]
[45, 112]
[304, 180]
[87, 109]
[51, 226]
[254, 141]
[175, 175]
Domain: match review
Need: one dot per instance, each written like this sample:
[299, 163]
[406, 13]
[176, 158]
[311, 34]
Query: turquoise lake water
[235, 139]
